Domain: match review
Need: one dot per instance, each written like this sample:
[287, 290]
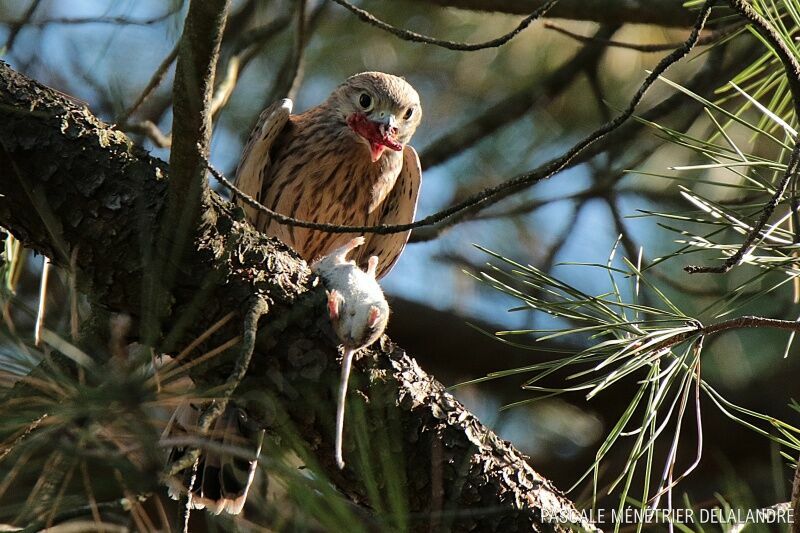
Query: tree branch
[71, 182]
[727, 325]
[192, 93]
[710, 38]
[414, 37]
[656, 12]
[155, 80]
[791, 68]
[16, 27]
[192, 90]
[515, 106]
[491, 195]
[779, 47]
[792, 168]
[119, 21]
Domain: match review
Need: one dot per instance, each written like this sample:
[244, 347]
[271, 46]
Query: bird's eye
[409, 112]
[365, 101]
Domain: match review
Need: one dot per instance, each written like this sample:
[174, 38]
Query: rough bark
[70, 186]
[659, 12]
[192, 91]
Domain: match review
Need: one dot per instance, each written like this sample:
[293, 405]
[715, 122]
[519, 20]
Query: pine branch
[83, 186]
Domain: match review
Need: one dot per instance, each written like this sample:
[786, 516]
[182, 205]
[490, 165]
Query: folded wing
[254, 165]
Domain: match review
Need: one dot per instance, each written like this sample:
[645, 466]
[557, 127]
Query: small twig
[792, 70]
[244, 50]
[255, 311]
[515, 106]
[593, 77]
[205, 444]
[87, 486]
[247, 47]
[155, 80]
[292, 71]
[30, 428]
[105, 20]
[152, 132]
[213, 328]
[185, 502]
[491, 195]
[727, 325]
[794, 222]
[225, 88]
[260, 35]
[534, 205]
[712, 37]
[298, 63]
[74, 314]
[450, 45]
[162, 515]
[710, 73]
[17, 26]
[735, 259]
[787, 56]
[174, 373]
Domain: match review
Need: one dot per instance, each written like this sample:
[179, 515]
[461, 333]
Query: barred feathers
[314, 167]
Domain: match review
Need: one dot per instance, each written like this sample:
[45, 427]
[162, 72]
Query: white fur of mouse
[358, 312]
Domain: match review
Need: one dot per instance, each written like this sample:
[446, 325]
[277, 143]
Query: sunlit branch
[711, 38]
[450, 45]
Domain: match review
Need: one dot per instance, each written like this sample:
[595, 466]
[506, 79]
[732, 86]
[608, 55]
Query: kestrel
[346, 161]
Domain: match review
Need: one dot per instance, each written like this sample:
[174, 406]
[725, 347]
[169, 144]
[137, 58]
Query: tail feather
[222, 479]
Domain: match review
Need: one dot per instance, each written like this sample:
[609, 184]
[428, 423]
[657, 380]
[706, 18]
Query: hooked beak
[380, 133]
[387, 125]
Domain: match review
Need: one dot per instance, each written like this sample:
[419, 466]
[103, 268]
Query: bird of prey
[346, 161]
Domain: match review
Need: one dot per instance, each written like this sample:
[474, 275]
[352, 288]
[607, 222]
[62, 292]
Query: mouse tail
[347, 362]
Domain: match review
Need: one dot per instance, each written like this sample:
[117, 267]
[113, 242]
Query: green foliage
[639, 339]
[81, 428]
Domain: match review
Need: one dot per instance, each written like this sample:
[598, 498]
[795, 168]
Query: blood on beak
[379, 135]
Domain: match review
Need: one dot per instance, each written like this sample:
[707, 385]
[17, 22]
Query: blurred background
[488, 116]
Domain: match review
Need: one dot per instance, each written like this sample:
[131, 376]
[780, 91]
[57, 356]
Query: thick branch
[198, 50]
[192, 91]
[71, 184]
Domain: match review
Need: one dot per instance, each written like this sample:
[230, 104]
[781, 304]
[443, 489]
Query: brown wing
[256, 155]
[399, 207]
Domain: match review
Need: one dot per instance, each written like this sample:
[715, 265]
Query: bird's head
[381, 109]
